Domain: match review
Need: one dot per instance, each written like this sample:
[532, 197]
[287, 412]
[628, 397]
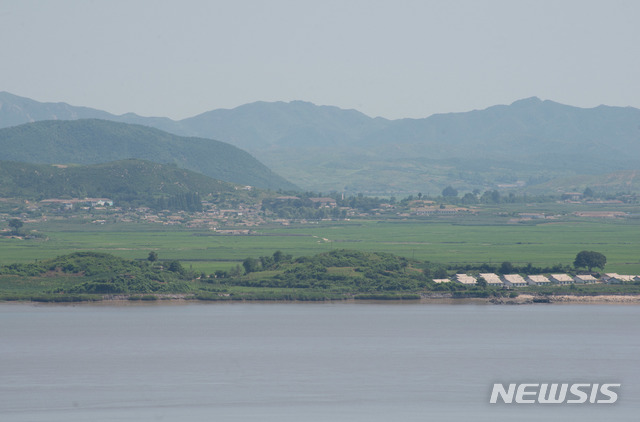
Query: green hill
[126, 181]
[95, 141]
[80, 275]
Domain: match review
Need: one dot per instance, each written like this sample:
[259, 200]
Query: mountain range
[518, 146]
[92, 141]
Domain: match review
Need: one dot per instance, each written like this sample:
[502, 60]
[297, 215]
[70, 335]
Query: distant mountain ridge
[15, 110]
[325, 148]
[95, 141]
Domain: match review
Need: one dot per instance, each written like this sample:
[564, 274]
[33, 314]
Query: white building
[584, 279]
[465, 279]
[538, 280]
[615, 278]
[561, 279]
[492, 279]
[513, 280]
[99, 202]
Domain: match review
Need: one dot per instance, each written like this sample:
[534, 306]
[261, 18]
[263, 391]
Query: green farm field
[437, 240]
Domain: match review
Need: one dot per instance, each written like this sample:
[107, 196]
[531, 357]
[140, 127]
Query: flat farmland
[443, 241]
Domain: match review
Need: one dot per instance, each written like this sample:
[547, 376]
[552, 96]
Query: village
[510, 281]
[240, 217]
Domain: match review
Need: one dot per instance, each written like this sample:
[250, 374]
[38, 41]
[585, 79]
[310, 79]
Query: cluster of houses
[212, 217]
[516, 280]
[69, 204]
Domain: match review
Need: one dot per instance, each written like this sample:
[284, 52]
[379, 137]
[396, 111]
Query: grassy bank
[333, 275]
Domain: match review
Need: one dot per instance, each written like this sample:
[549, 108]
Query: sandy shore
[524, 299]
[597, 299]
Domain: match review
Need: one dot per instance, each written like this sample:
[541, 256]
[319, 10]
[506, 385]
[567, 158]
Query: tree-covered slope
[98, 141]
[131, 181]
[84, 273]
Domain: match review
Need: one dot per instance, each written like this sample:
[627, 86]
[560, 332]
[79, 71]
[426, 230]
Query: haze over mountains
[523, 145]
[92, 141]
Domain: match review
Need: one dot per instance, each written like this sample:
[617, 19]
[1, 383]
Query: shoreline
[526, 299]
[523, 299]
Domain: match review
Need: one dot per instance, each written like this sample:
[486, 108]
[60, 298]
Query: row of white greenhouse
[516, 280]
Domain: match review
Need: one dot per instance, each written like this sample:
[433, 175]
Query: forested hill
[129, 181]
[95, 141]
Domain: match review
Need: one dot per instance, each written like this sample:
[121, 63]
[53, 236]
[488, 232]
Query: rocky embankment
[600, 299]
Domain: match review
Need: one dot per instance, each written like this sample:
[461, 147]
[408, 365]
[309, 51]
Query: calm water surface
[309, 362]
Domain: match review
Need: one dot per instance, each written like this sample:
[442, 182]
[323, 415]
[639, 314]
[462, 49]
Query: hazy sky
[385, 58]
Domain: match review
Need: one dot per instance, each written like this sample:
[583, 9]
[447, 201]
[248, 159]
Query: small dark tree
[490, 196]
[176, 267]
[469, 198]
[590, 259]
[278, 256]
[481, 282]
[506, 267]
[153, 256]
[251, 265]
[267, 262]
[440, 273]
[15, 224]
[449, 191]
[588, 192]
[495, 196]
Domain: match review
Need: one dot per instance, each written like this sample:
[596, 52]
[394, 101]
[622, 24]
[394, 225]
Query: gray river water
[310, 362]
